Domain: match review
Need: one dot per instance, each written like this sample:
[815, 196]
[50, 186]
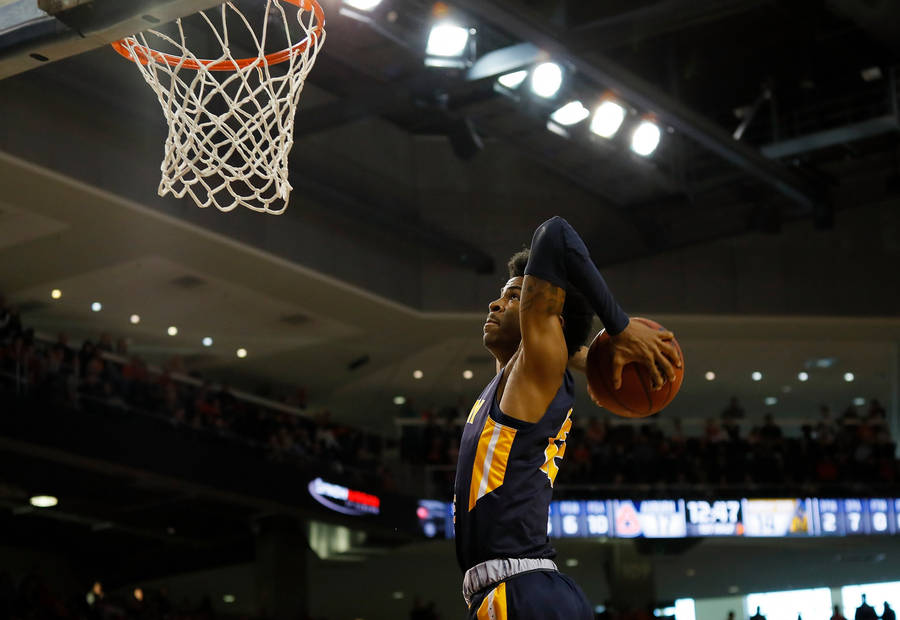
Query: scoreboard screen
[776, 517]
[649, 518]
[721, 517]
[680, 518]
[851, 517]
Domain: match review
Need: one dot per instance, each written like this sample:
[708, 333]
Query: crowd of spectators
[35, 598]
[729, 451]
[104, 373]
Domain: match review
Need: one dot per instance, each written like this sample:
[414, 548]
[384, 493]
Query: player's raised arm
[560, 257]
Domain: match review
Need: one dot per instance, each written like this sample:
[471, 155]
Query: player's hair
[578, 317]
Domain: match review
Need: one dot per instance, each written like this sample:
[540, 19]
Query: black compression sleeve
[559, 256]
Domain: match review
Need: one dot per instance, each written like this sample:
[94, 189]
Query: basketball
[636, 398]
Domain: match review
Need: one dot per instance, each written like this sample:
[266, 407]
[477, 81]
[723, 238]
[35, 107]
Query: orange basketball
[636, 398]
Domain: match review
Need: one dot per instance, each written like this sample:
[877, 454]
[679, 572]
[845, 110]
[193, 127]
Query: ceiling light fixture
[849, 376]
[172, 331]
[43, 501]
[645, 138]
[418, 374]
[468, 374]
[242, 353]
[207, 341]
[570, 114]
[362, 5]
[803, 376]
[608, 117]
[546, 79]
[135, 319]
[756, 376]
[55, 293]
[710, 375]
[96, 306]
[512, 80]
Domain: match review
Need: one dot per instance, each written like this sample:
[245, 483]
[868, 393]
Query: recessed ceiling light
[645, 138]
[803, 376]
[756, 376]
[207, 341]
[468, 374]
[43, 501]
[135, 319]
[859, 401]
[710, 375]
[399, 400]
[418, 374]
[771, 400]
[172, 331]
[397, 595]
[571, 562]
[849, 376]
[607, 119]
[55, 293]
[242, 353]
[228, 598]
[96, 306]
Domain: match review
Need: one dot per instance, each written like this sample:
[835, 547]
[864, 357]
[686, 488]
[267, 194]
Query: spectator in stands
[770, 431]
[733, 411]
[837, 615]
[758, 615]
[888, 613]
[865, 611]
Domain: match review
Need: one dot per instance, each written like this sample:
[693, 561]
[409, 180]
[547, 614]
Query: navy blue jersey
[504, 478]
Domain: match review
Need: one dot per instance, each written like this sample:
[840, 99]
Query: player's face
[501, 328]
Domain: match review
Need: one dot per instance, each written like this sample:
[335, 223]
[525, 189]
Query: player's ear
[562, 320]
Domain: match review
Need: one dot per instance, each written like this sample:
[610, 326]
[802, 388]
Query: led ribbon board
[344, 500]
[688, 518]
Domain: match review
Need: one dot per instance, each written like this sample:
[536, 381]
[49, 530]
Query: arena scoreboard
[688, 518]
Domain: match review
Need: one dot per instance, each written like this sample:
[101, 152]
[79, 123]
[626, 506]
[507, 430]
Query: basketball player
[516, 432]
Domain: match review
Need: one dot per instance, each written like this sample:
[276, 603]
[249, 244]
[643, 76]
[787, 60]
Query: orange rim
[144, 54]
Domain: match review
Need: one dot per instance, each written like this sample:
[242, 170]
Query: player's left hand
[644, 345]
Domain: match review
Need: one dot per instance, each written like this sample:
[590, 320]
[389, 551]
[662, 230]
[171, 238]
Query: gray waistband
[488, 573]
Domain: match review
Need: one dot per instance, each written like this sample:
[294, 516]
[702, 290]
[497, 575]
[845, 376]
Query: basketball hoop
[230, 137]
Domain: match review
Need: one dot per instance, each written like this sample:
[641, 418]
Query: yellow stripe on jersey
[474, 411]
[554, 451]
[491, 458]
[493, 607]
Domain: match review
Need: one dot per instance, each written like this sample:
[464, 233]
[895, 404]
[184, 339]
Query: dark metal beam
[641, 93]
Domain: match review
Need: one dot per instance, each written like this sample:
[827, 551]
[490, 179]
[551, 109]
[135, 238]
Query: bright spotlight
[546, 79]
[447, 40]
[418, 374]
[468, 374]
[135, 319]
[710, 375]
[512, 80]
[207, 341]
[607, 119]
[242, 353]
[803, 376]
[849, 376]
[56, 293]
[362, 5]
[399, 400]
[96, 306]
[756, 376]
[172, 331]
[645, 138]
[570, 114]
[43, 501]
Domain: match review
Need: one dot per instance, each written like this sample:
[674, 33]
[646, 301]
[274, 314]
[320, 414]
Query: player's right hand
[649, 347]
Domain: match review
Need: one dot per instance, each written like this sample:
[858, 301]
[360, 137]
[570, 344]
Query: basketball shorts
[535, 595]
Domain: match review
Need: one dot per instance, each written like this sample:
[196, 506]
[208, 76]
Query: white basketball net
[230, 132]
